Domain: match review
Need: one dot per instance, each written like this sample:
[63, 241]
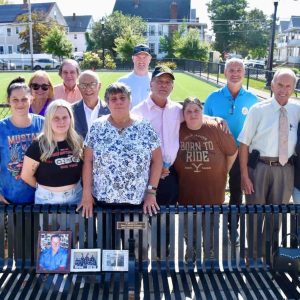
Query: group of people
[63, 145]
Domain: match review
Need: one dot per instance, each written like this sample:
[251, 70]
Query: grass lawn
[185, 85]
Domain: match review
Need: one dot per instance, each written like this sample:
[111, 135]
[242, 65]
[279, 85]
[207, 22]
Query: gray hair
[232, 61]
[117, 88]
[72, 62]
[90, 73]
[287, 72]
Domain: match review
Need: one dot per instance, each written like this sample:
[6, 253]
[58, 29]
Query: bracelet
[151, 193]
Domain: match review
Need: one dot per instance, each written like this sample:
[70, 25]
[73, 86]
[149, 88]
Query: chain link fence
[4, 110]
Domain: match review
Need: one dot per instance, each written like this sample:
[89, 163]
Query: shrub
[109, 62]
[170, 64]
[91, 60]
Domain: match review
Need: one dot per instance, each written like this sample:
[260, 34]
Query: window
[75, 36]
[1, 49]
[17, 30]
[10, 49]
[18, 49]
[160, 30]
[151, 29]
[75, 49]
[8, 30]
[152, 48]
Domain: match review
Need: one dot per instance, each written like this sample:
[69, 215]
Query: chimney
[74, 15]
[173, 10]
[136, 3]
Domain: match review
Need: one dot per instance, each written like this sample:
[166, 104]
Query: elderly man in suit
[90, 107]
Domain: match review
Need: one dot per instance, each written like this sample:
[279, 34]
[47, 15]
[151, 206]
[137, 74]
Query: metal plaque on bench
[131, 225]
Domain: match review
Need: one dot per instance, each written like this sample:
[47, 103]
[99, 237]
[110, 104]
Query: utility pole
[27, 2]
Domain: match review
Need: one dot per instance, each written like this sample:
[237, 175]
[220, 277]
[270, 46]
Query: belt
[275, 163]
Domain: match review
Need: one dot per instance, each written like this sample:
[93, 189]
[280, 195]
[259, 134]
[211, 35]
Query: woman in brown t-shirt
[205, 155]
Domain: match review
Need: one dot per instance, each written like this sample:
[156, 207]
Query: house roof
[10, 12]
[295, 22]
[283, 25]
[78, 23]
[145, 9]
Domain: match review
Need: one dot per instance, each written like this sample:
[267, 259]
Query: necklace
[122, 125]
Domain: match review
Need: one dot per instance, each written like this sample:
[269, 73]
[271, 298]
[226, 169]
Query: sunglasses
[91, 85]
[36, 86]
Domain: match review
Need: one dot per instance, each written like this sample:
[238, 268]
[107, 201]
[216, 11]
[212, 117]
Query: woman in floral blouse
[122, 157]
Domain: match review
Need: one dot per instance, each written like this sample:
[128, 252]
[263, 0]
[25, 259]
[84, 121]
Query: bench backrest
[162, 242]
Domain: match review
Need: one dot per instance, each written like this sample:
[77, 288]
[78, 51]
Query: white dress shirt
[261, 128]
[91, 114]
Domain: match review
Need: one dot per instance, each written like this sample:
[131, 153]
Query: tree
[256, 33]
[227, 17]
[189, 46]
[113, 28]
[126, 42]
[168, 42]
[40, 28]
[57, 43]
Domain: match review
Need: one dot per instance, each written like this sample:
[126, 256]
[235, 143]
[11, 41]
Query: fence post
[248, 77]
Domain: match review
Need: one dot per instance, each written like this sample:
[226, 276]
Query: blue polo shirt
[53, 262]
[221, 104]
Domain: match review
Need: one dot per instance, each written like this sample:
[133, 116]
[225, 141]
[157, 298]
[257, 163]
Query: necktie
[283, 137]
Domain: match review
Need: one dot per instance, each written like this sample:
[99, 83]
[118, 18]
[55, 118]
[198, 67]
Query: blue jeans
[296, 196]
[44, 196]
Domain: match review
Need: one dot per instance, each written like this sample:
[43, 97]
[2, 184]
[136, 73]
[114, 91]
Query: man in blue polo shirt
[232, 103]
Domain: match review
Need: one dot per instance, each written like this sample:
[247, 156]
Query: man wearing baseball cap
[165, 116]
[139, 79]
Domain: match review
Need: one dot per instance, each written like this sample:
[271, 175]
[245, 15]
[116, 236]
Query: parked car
[45, 63]
[6, 65]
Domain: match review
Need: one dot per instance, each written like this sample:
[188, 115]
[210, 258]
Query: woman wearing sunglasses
[42, 92]
[16, 134]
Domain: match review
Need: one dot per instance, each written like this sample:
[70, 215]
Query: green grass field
[185, 85]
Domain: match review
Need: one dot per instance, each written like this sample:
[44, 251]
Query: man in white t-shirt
[139, 79]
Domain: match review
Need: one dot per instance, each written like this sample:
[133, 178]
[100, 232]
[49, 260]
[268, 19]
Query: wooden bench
[228, 272]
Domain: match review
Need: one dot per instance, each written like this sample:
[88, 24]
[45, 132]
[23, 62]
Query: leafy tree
[40, 28]
[90, 42]
[190, 46]
[227, 17]
[168, 42]
[57, 43]
[3, 2]
[256, 33]
[126, 42]
[113, 27]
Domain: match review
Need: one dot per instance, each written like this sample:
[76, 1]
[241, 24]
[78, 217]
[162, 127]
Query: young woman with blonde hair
[53, 163]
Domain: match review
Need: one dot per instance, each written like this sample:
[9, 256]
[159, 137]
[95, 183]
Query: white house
[288, 41]
[162, 17]
[10, 27]
[77, 27]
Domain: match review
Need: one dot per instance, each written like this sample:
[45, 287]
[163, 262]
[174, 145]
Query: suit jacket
[79, 116]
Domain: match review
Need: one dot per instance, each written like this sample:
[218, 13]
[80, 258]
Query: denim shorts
[44, 196]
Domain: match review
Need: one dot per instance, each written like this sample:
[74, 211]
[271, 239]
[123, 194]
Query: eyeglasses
[36, 86]
[91, 85]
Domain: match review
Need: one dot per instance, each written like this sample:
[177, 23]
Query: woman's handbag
[287, 259]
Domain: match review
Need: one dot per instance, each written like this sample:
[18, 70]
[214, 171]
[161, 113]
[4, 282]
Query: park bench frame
[226, 275]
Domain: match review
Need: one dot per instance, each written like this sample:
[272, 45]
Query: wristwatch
[151, 187]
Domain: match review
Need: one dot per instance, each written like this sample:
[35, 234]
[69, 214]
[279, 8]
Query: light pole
[102, 36]
[270, 60]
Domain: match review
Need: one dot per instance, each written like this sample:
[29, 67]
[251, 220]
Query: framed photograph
[85, 260]
[54, 251]
[115, 260]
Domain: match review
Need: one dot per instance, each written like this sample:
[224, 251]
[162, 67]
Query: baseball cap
[141, 48]
[160, 70]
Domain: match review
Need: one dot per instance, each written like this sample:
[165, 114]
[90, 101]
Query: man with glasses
[90, 107]
[139, 79]
[68, 90]
[232, 103]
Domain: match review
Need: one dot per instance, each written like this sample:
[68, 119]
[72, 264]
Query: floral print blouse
[121, 160]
